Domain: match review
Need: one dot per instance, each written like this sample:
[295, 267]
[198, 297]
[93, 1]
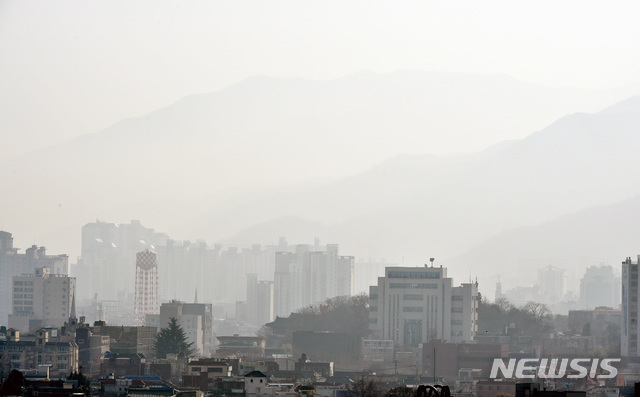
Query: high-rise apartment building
[41, 299]
[216, 272]
[599, 287]
[630, 304]
[309, 276]
[108, 258]
[259, 306]
[413, 305]
[14, 264]
[551, 285]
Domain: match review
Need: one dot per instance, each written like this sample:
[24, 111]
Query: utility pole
[434, 363]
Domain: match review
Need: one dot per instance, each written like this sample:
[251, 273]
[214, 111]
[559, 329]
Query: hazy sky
[74, 67]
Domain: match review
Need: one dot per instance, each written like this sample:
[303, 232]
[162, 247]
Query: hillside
[268, 147]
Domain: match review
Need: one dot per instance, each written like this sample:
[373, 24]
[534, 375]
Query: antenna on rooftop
[431, 260]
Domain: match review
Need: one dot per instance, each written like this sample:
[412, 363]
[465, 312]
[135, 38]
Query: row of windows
[413, 297]
[59, 358]
[384, 343]
[209, 369]
[456, 297]
[413, 285]
[412, 309]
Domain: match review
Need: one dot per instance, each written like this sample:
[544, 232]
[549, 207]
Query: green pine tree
[172, 340]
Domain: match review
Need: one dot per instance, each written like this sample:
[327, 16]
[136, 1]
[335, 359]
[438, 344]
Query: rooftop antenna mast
[431, 260]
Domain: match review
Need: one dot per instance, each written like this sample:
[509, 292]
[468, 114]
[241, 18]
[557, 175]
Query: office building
[14, 264]
[413, 305]
[41, 299]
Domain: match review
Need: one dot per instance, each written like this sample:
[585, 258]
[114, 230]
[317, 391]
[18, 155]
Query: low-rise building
[91, 349]
[123, 364]
[376, 350]
[446, 359]
[61, 357]
[602, 322]
[196, 319]
[202, 373]
[128, 339]
[244, 346]
[326, 346]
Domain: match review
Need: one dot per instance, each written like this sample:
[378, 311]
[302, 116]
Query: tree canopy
[533, 319]
[345, 314]
[172, 340]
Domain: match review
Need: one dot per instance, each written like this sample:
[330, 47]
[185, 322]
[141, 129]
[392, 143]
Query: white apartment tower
[309, 276]
[552, 285]
[630, 314]
[259, 300]
[413, 305]
[599, 287]
[41, 299]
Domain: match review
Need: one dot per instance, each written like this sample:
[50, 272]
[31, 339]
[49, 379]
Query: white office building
[413, 305]
[41, 299]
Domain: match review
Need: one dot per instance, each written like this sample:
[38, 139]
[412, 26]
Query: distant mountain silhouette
[268, 149]
[591, 237]
[421, 206]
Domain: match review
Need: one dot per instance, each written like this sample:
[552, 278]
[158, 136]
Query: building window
[412, 309]
[413, 285]
[413, 297]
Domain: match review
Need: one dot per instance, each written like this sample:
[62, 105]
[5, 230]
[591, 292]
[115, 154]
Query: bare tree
[364, 387]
